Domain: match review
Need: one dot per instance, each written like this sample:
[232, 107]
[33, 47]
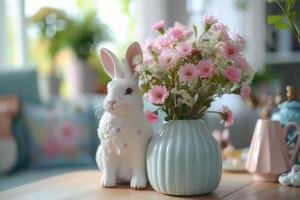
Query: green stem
[292, 26]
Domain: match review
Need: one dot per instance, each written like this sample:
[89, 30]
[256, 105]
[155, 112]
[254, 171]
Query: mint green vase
[184, 159]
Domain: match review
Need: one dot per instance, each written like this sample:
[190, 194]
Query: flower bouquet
[182, 72]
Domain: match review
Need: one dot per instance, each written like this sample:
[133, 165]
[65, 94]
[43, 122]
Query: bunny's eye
[128, 91]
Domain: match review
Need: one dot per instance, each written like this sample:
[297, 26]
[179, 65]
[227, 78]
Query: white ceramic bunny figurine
[123, 130]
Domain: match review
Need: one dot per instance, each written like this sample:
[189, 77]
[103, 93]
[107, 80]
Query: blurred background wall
[29, 28]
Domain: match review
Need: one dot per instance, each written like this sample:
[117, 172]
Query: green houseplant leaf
[273, 19]
[282, 26]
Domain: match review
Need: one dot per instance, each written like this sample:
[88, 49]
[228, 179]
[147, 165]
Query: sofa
[37, 157]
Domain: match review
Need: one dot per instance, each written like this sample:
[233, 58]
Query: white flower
[158, 71]
[137, 59]
[184, 97]
[141, 68]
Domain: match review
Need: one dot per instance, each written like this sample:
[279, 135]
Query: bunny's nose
[111, 104]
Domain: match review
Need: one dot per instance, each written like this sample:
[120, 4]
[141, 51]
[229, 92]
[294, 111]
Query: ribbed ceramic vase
[184, 159]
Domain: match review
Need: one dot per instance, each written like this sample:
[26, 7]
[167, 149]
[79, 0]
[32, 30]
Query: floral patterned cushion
[59, 135]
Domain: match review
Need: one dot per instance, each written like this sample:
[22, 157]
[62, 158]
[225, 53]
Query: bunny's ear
[111, 64]
[132, 51]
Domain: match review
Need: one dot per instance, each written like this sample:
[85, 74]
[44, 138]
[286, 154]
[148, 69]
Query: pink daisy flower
[158, 25]
[167, 58]
[147, 57]
[148, 43]
[221, 28]
[206, 68]
[233, 74]
[242, 63]
[210, 20]
[239, 39]
[162, 42]
[227, 116]
[245, 92]
[185, 48]
[179, 31]
[230, 50]
[151, 117]
[188, 72]
[158, 94]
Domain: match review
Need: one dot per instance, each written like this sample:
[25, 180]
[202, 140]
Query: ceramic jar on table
[184, 159]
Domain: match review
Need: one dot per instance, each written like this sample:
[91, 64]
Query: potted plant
[49, 22]
[82, 36]
[182, 73]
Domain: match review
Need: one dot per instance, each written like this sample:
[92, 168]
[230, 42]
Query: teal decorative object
[184, 159]
[289, 111]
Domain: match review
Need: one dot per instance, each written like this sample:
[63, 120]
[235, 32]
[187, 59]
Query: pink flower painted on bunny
[151, 117]
[188, 72]
[233, 74]
[206, 68]
[158, 94]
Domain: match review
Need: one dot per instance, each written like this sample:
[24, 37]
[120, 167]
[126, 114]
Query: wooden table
[86, 185]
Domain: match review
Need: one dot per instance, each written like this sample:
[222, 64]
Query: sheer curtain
[13, 41]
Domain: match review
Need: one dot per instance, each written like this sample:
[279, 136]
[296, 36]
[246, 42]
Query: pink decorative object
[268, 154]
[9, 107]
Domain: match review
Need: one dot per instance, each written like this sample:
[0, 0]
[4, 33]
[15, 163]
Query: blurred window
[12, 36]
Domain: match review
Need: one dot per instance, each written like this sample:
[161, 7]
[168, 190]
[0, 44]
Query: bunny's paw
[108, 181]
[138, 182]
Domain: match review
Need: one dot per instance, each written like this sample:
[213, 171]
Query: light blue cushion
[60, 135]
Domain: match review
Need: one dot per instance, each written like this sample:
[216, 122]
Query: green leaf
[293, 16]
[282, 26]
[195, 30]
[290, 4]
[273, 19]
